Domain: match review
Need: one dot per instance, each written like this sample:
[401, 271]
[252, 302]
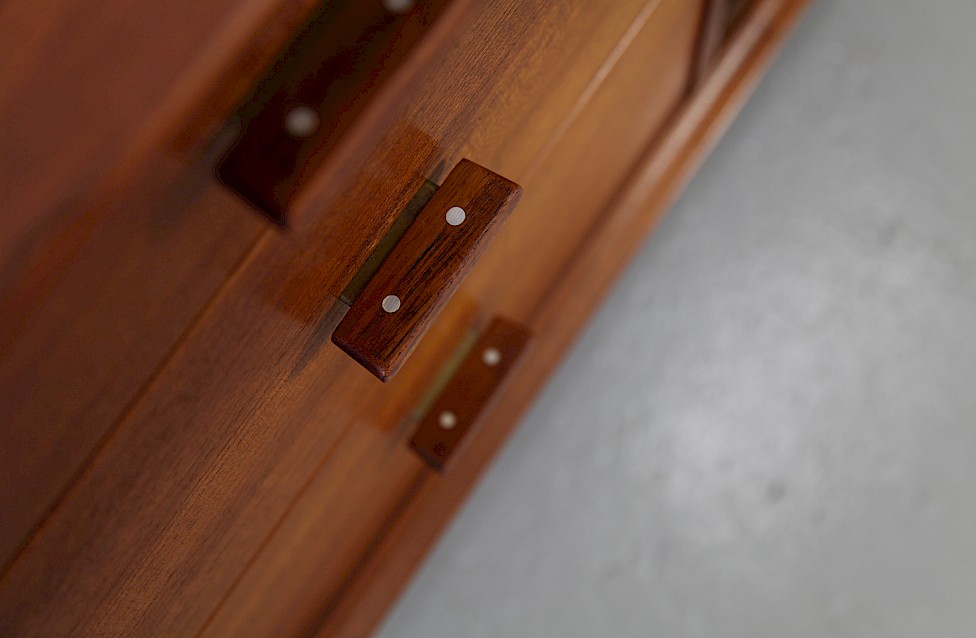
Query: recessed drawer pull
[450, 418]
[391, 311]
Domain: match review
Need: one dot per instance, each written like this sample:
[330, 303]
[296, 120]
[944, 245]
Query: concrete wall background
[770, 428]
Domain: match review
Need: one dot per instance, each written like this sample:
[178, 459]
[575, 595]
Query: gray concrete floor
[770, 428]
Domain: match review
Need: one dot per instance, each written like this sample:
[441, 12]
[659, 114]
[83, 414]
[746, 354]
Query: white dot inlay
[491, 357]
[455, 216]
[301, 122]
[391, 303]
[447, 419]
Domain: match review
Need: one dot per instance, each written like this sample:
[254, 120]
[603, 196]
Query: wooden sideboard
[183, 450]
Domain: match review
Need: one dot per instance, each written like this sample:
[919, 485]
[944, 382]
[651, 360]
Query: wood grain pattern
[299, 567]
[337, 62]
[425, 268]
[63, 141]
[713, 35]
[261, 484]
[213, 451]
[469, 392]
[654, 184]
[97, 290]
[109, 244]
[572, 181]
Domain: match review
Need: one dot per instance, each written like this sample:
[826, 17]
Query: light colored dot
[455, 216]
[491, 356]
[301, 122]
[447, 419]
[391, 303]
[398, 6]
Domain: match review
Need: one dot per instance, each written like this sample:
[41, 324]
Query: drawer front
[251, 470]
[88, 336]
[370, 473]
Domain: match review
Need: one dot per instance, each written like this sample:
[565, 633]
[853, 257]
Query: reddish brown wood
[212, 453]
[301, 563]
[655, 183]
[425, 268]
[576, 175]
[338, 61]
[456, 411]
[715, 18]
[109, 245]
[82, 335]
[260, 483]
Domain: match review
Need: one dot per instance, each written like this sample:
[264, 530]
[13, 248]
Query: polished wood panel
[259, 483]
[571, 182]
[144, 263]
[109, 244]
[154, 212]
[425, 268]
[220, 441]
[70, 267]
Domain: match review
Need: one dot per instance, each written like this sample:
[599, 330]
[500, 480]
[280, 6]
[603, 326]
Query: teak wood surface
[642, 201]
[132, 259]
[243, 477]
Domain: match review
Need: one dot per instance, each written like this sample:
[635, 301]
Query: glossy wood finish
[642, 201]
[425, 268]
[335, 65]
[216, 446]
[713, 36]
[61, 138]
[554, 221]
[110, 245]
[456, 411]
[86, 329]
[268, 484]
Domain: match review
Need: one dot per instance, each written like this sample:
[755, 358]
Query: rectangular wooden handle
[422, 272]
[456, 411]
[312, 94]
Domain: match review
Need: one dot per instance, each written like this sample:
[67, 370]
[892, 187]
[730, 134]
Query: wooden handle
[457, 409]
[419, 276]
[313, 92]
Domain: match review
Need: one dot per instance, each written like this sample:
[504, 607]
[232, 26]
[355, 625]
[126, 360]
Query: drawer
[240, 475]
[214, 369]
[182, 237]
